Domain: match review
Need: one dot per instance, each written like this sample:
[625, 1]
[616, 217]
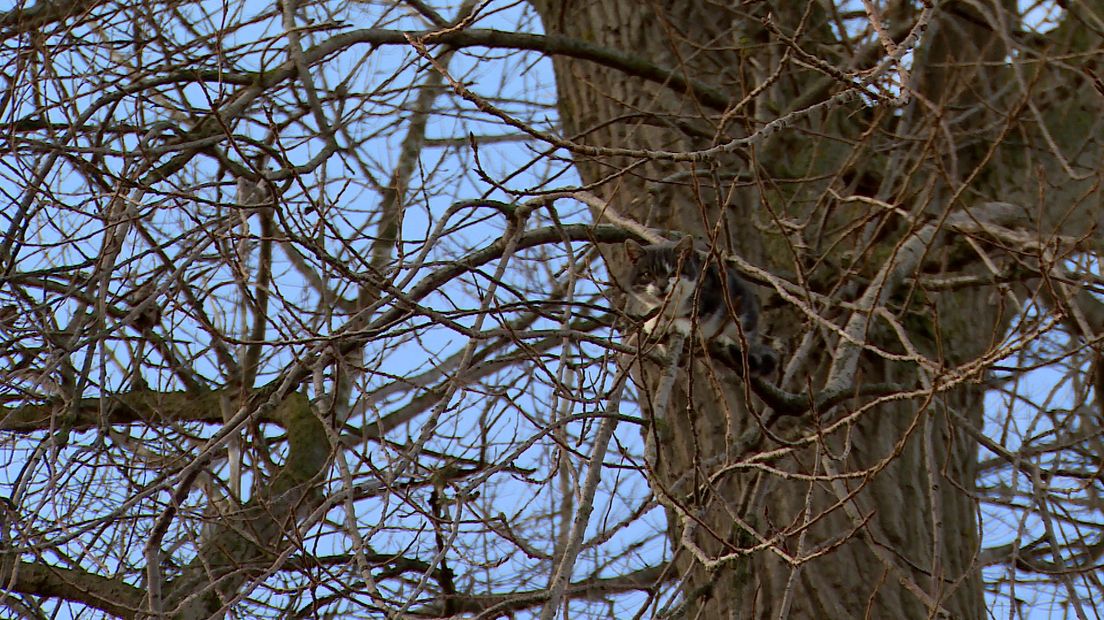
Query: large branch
[904, 263]
[38, 579]
[244, 544]
[553, 45]
[135, 407]
[250, 543]
[32, 19]
[587, 589]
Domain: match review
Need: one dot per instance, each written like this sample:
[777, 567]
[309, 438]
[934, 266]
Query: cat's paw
[762, 360]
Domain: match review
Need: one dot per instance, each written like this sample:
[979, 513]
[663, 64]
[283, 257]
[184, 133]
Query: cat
[673, 286]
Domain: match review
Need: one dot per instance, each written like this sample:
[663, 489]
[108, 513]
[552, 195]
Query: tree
[306, 314]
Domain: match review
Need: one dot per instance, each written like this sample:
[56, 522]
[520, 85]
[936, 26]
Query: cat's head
[657, 267]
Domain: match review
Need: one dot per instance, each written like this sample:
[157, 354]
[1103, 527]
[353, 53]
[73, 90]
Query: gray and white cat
[674, 286]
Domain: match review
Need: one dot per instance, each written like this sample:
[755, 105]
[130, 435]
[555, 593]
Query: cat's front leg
[761, 359]
[682, 326]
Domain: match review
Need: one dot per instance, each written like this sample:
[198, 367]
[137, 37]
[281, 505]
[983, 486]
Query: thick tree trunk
[873, 518]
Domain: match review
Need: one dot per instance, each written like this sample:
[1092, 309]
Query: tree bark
[870, 518]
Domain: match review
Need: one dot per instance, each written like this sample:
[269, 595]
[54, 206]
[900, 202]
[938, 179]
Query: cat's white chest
[675, 307]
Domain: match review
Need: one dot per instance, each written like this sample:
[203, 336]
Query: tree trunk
[869, 518]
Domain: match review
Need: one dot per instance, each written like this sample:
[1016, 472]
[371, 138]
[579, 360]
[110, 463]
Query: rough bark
[870, 518]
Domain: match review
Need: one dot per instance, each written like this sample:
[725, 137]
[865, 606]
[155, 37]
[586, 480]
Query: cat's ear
[634, 250]
[685, 245]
